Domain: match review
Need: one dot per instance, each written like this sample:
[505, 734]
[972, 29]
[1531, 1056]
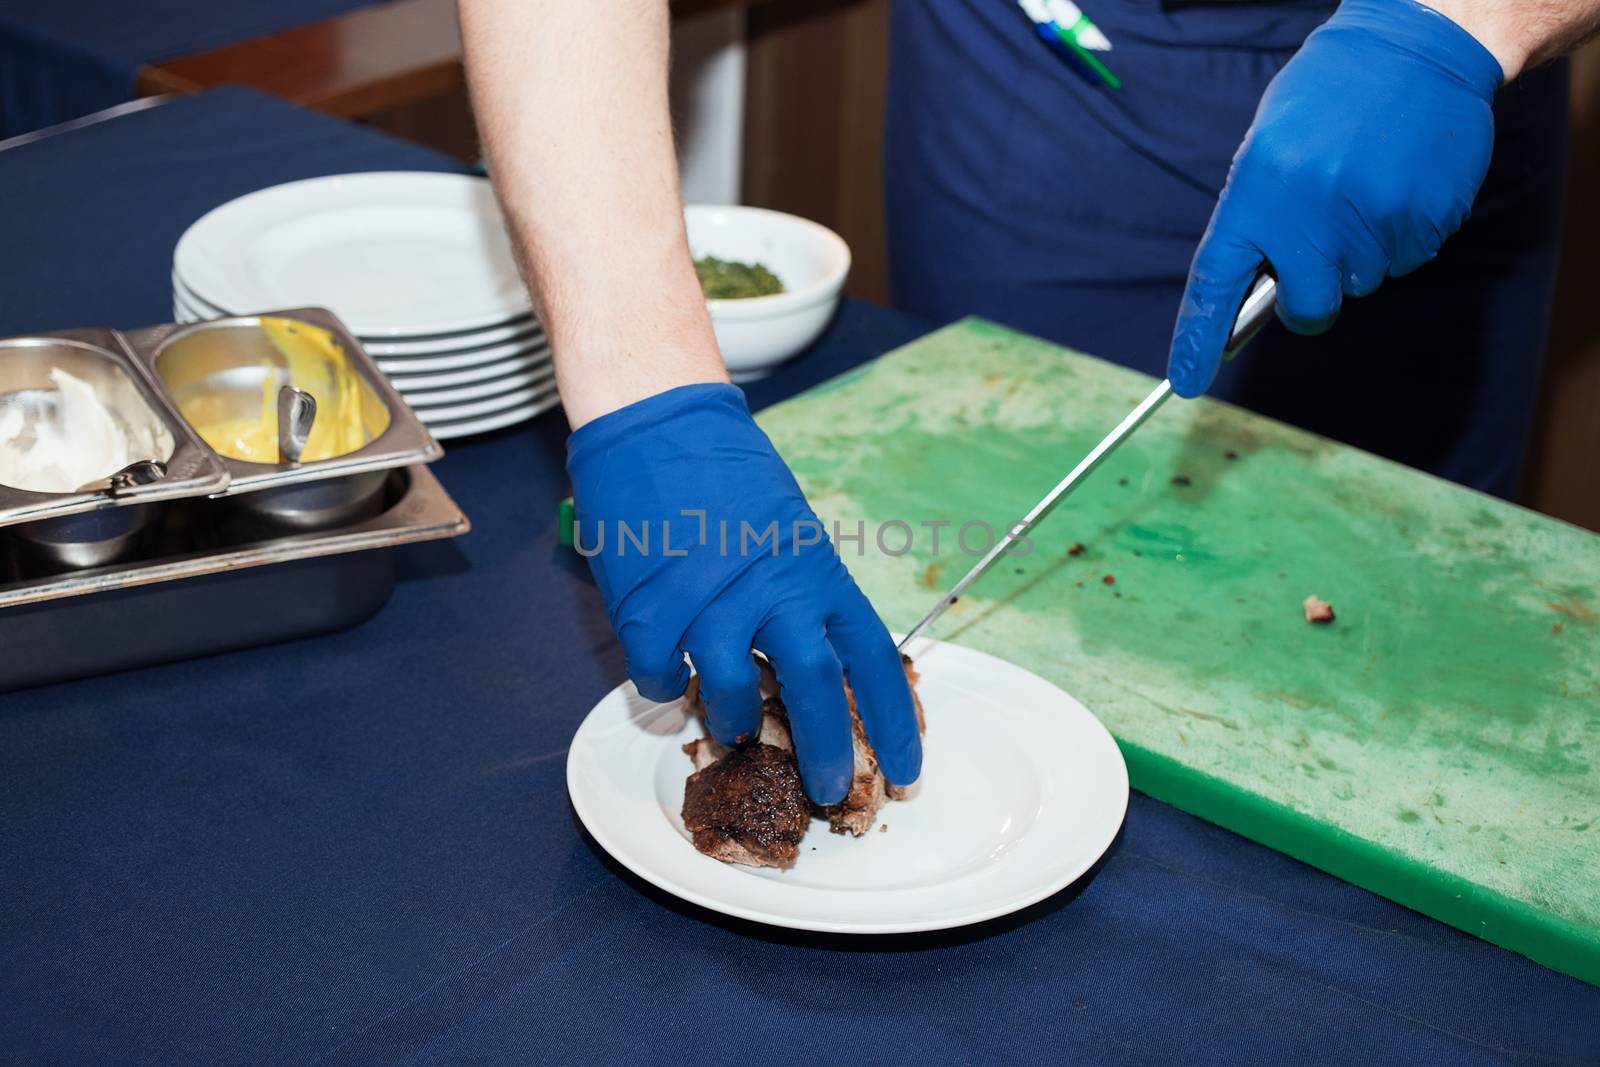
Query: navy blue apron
[1018, 190]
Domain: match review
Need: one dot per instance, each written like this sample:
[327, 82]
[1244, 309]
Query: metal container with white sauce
[40, 379]
[75, 408]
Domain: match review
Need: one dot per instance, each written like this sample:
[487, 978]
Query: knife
[1253, 315]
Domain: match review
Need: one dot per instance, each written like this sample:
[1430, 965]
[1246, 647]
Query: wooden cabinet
[1562, 476]
[394, 65]
[813, 128]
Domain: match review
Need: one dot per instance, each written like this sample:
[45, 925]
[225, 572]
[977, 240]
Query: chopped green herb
[724, 279]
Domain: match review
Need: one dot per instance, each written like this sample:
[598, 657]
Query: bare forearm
[1524, 33]
[571, 100]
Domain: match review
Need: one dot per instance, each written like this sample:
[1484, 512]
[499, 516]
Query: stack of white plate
[418, 267]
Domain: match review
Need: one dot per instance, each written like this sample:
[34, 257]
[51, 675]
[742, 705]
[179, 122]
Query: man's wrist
[1494, 25]
[612, 373]
[627, 328]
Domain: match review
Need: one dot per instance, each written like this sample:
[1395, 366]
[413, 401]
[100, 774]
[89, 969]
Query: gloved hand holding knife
[1365, 155]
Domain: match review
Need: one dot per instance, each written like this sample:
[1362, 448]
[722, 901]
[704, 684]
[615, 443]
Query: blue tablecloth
[60, 59]
[358, 848]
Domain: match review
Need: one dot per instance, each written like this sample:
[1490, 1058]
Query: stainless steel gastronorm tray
[214, 584]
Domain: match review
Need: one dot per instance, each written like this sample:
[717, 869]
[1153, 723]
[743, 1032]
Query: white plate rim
[1062, 878]
[446, 379]
[455, 412]
[421, 399]
[447, 431]
[460, 360]
[524, 330]
[212, 241]
[182, 301]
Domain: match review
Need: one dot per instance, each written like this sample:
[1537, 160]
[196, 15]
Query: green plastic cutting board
[1438, 743]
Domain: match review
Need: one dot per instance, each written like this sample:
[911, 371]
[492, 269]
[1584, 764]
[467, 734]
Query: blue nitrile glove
[635, 472]
[1365, 154]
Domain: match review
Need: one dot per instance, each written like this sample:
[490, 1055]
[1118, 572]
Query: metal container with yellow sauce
[224, 377]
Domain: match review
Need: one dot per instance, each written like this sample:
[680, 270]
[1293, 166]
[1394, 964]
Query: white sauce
[84, 441]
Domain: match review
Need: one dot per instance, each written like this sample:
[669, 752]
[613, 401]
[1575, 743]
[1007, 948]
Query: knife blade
[1253, 314]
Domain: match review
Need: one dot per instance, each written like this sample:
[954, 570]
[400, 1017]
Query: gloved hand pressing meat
[1365, 154]
[756, 570]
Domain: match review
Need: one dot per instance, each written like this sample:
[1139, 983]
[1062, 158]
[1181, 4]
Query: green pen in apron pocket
[1065, 28]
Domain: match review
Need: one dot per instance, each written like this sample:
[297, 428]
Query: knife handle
[1253, 312]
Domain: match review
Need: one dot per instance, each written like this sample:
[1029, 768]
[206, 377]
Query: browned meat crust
[747, 807]
[730, 839]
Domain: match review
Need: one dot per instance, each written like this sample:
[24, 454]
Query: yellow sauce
[317, 364]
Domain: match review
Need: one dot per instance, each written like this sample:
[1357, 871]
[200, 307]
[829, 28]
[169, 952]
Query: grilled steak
[738, 804]
[747, 807]
[869, 790]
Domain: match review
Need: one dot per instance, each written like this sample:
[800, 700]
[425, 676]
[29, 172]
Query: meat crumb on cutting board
[1317, 609]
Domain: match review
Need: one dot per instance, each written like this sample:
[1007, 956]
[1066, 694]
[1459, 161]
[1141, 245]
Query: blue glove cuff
[1425, 33]
[593, 438]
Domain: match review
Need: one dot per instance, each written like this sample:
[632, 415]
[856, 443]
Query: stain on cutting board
[1439, 741]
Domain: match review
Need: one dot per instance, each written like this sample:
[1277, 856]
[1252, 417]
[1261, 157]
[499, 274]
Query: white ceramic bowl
[760, 332]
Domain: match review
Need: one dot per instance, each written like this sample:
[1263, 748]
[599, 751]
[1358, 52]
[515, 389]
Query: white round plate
[1022, 791]
[432, 398]
[404, 365]
[185, 310]
[524, 330]
[532, 361]
[182, 294]
[448, 431]
[489, 406]
[391, 253]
